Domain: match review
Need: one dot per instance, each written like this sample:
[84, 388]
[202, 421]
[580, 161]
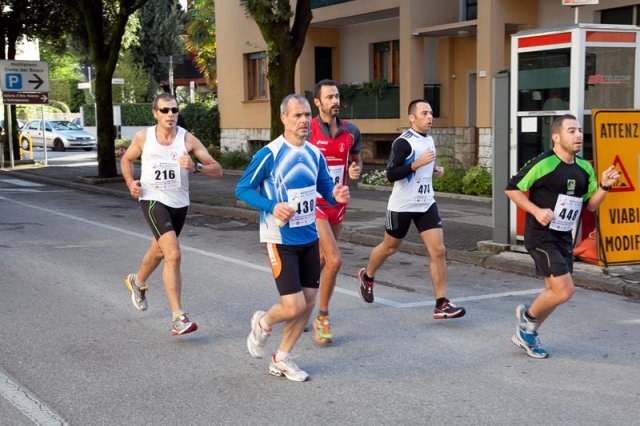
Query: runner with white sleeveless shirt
[411, 167]
[163, 191]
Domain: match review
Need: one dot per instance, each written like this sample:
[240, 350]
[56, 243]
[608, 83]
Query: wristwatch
[197, 168]
[605, 187]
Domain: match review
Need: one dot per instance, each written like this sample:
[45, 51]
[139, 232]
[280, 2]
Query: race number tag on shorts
[166, 175]
[566, 213]
[337, 174]
[306, 211]
[422, 190]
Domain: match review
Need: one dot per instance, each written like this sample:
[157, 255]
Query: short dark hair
[164, 96]
[318, 87]
[556, 126]
[413, 103]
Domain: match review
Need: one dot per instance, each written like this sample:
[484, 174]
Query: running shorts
[552, 259]
[334, 214]
[162, 219]
[397, 223]
[295, 266]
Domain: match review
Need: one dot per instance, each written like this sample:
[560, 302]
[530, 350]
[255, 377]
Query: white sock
[281, 355]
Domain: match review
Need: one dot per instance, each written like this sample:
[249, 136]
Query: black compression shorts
[397, 223]
[295, 267]
[162, 219]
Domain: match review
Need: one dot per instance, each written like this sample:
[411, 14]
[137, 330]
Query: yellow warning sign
[617, 142]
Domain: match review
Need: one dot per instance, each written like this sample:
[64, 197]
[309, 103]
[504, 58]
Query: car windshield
[63, 125]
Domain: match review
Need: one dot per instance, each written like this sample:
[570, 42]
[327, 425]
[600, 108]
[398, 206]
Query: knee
[333, 263]
[295, 309]
[565, 293]
[310, 304]
[438, 252]
[173, 256]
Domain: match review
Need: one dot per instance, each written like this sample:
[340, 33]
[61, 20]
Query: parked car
[60, 135]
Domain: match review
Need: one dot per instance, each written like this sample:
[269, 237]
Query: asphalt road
[73, 349]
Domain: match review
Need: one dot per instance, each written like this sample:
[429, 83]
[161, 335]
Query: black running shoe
[448, 310]
[366, 287]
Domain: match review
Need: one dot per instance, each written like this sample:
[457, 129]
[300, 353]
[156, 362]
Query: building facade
[445, 51]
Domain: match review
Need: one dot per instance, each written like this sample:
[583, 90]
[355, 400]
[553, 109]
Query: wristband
[605, 187]
[197, 168]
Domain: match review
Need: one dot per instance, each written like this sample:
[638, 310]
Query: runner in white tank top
[163, 191]
[162, 178]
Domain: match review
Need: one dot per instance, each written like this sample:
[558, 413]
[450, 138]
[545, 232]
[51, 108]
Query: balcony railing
[322, 3]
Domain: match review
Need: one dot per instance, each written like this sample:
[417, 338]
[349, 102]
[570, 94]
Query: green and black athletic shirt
[545, 177]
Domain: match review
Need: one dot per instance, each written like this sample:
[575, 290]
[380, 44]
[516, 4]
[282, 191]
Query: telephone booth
[567, 70]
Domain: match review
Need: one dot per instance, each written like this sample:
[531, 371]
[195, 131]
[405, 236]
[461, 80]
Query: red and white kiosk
[567, 70]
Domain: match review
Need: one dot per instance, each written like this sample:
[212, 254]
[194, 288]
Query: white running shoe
[287, 368]
[258, 336]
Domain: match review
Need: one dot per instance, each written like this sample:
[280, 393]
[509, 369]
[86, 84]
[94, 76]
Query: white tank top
[415, 192]
[161, 177]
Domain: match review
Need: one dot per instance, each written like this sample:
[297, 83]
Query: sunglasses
[166, 110]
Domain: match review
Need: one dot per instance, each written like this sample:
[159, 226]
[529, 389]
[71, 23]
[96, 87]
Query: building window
[256, 75]
[471, 8]
[386, 61]
[619, 15]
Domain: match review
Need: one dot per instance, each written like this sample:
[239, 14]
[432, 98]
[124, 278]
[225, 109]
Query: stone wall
[467, 145]
[485, 147]
[238, 139]
[457, 142]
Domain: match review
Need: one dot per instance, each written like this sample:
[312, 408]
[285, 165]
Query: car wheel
[25, 144]
[58, 145]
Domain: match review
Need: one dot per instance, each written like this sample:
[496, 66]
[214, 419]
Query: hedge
[201, 119]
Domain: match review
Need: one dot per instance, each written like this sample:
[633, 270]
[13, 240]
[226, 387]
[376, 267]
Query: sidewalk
[467, 220]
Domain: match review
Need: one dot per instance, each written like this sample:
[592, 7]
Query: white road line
[19, 182]
[380, 300]
[37, 411]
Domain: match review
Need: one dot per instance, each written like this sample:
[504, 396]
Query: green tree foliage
[285, 42]
[201, 37]
[160, 34]
[136, 80]
[102, 24]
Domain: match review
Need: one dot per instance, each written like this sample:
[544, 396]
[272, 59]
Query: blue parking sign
[13, 81]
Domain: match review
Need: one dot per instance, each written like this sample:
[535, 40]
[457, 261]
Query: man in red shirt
[337, 140]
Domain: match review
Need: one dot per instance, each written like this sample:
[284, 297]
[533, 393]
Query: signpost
[617, 142]
[23, 82]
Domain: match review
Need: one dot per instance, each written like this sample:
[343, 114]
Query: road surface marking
[36, 410]
[19, 182]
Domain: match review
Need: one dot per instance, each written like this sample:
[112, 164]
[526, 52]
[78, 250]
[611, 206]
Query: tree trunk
[105, 129]
[281, 84]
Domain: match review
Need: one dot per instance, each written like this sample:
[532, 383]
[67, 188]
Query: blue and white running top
[282, 172]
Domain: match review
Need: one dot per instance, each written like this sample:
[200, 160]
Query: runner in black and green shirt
[560, 183]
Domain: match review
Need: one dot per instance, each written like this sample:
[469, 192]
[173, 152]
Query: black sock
[367, 277]
[441, 301]
[529, 316]
[323, 313]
